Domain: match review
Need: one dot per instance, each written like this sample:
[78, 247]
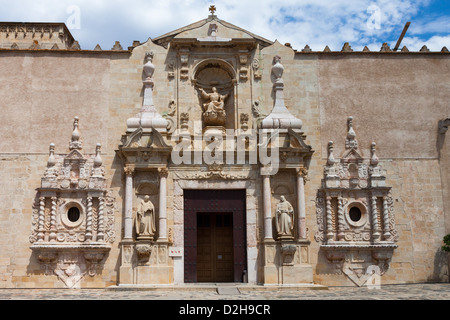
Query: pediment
[74, 155]
[139, 139]
[352, 155]
[210, 30]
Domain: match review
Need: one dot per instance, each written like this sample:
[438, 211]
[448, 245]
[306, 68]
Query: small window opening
[355, 214]
[73, 214]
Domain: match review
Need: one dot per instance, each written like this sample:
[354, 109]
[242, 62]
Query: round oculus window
[355, 214]
[73, 214]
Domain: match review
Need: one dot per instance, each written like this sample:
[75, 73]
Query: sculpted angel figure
[284, 218]
[145, 219]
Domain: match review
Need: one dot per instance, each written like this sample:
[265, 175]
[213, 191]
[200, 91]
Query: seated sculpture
[214, 109]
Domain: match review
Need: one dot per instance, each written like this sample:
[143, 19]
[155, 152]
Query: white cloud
[435, 43]
[299, 22]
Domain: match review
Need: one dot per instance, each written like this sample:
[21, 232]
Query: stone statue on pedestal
[284, 220]
[145, 220]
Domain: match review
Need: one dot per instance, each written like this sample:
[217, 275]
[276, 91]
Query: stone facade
[360, 183]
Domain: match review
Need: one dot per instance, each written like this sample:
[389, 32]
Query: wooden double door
[215, 241]
[215, 247]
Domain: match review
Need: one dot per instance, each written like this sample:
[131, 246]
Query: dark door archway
[214, 236]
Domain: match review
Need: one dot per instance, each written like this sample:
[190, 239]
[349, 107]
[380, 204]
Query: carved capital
[302, 172]
[129, 171]
[163, 172]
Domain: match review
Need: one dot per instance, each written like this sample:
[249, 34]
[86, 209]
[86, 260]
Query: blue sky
[314, 22]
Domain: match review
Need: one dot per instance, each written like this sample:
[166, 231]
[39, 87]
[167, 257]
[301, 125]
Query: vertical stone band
[301, 212]
[163, 173]
[267, 208]
[128, 232]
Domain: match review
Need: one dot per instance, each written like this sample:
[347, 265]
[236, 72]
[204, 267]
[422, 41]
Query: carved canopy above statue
[215, 79]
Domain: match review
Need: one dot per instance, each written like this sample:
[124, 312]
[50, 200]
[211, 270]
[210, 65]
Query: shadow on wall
[441, 272]
[442, 129]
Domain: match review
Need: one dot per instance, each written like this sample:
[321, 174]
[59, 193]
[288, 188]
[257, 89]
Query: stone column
[267, 199]
[341, 221]
[53, 220]
[89, 219]
[101, 211]
[387, 229]
[375, 225]
[301, 205]
[163, 173]
[128, 232]
[41, 221]
[329, 213]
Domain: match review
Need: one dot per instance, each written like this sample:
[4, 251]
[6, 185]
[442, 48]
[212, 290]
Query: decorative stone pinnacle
[98, 159]
[351, 142]
[330, 159]
[51, 158]
[75, 142]
[280, 117]
[374, 158]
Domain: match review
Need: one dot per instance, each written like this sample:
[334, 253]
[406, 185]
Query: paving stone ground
[429, 291]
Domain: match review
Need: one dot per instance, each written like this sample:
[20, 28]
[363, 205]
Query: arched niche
[218, 74]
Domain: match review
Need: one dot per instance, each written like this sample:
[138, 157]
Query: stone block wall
[395, 100]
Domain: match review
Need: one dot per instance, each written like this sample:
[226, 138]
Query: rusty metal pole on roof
[402, 35]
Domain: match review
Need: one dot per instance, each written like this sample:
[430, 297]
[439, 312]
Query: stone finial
[75, 46]
[98, 48]
[149, 68]
[385, 48]
[75, 142]
[444, 49]
[424, 49]
[366, 49]
[51, 158]
[347, 48]
[331, 160]
[374, 158]
[98, 159]
[350, 142]
[306, 49]
[327, 49]
[35, 45]
[277, 69]
[405, 49]
[117, 46]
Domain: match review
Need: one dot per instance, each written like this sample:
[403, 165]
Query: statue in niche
[284, 219]
[145, 220]
[214, 109]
